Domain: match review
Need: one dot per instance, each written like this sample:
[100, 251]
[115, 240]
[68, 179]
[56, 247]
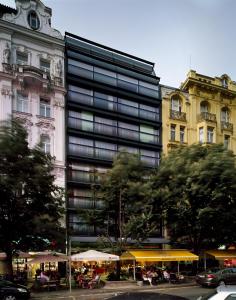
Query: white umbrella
[93, 255]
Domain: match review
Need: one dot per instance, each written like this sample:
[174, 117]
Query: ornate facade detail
[6, 91]
[43, 13]
[58, 103]
[6, 54]
[45, 127]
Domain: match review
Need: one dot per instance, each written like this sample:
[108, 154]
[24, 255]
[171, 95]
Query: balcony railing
[227, 126]
[206, 116]
[177, 115]
[100, 128]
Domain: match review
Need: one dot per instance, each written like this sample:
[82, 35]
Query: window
[204, 107]
[33, 20]
[172, 132]
[226, 141]
[22, 103]
[201, 135]
[147, 134]
[45, 65]
[21, 58]
[45, 143]
[45, 108]
[128, 83]
[87, 121]
[225, 115]
[176, 104]
[210, 135]
[181, 133]
[224, 82]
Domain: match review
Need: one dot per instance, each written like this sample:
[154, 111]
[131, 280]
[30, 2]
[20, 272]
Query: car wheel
[221, 282]
[9, 297]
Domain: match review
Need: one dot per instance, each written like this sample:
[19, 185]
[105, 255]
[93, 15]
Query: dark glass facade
[113, 104]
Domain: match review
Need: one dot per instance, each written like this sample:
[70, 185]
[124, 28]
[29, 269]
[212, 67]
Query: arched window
[204, 107]
[224, 82]
[176, 104]
[225, 114]
[45, 143]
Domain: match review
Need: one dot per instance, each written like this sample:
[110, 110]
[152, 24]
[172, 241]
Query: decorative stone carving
[58, 103]
[45, 127]
[58, 68]
[24, 7]
[6, 54]
[6, 91]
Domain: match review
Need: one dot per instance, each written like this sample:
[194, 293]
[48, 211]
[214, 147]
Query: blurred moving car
[13, 291]
[221, 293]
[217, 277]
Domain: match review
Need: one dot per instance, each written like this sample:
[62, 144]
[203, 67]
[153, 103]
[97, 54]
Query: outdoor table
[51, 284]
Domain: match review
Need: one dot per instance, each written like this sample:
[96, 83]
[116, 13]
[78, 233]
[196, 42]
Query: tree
[195, 189]
[126, 214]
[31, 207]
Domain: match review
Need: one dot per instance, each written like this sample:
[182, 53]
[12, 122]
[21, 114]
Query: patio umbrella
[48, 258]
[93, 255]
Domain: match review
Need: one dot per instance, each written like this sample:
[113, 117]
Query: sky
[177, 35]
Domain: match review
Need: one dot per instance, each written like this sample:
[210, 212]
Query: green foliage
[127, 210]
[31, 205]
[195, 189]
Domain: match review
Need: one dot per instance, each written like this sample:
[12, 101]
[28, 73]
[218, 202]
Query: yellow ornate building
[203, 110]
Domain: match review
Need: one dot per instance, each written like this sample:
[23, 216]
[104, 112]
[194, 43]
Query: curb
[84, 292]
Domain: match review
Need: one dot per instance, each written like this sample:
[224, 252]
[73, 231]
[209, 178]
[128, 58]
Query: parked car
[13, 291]
[217, 277]
[221, 293]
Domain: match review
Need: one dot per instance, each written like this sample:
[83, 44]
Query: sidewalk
[111, 291]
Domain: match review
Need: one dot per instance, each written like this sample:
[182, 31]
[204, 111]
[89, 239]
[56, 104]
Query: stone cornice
[10, 28]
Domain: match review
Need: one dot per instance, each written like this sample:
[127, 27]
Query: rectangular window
[172, 132]
[148, 89]
[87, 121]
[147, 134]
[226, 141]
[128, 83]
[210, 135]
[105, 76]
[201, 135]
[45, 108]
[45, 65]
[21, 58]
[22, 103]
[181, 133]
[128, 107]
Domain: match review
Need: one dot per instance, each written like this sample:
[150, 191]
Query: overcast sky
[174, 34]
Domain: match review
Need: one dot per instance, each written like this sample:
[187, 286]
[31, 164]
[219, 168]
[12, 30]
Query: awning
[159, 255]
[222, 254]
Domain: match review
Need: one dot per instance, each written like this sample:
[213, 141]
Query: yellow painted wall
[194, 90]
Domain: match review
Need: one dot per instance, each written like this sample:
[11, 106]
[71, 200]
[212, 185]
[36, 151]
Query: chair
[94, 283]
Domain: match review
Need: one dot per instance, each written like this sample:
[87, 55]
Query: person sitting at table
[43, 278]
[80, 280]
[95, 278]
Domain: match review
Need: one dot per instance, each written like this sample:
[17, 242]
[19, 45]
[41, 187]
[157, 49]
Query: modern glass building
[113, 104]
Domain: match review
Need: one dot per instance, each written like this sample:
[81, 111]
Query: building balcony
[227, 126]
[206, 116]
[31, 76]
[177, 115]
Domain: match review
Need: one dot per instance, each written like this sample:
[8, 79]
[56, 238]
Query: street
[189, 292]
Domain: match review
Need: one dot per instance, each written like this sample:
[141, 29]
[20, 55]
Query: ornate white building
[32, 86]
